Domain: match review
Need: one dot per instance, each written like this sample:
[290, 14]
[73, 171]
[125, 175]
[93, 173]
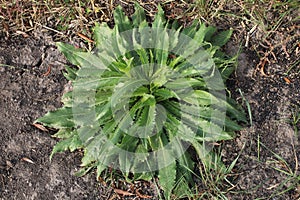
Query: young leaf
[139, 15]
[167, 177]
[160, 38]
[121, 20]
[159, 19]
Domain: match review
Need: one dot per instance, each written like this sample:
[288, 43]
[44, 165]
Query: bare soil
[31, 84]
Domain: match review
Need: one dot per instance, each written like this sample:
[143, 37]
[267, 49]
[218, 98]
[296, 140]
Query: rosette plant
[148, 100]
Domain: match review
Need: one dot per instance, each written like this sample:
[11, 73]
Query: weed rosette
[153, 104]
[146, 95]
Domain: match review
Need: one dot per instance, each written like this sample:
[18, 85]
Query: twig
[51, 29]
[249, 34]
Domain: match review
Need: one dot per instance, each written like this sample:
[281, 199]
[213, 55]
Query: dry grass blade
[123, 193]
[142, 195]
[27, 160]
[41, 127]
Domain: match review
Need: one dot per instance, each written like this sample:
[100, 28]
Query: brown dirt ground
[28, 91]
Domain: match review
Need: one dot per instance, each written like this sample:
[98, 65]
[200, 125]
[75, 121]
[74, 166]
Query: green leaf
[64, 133]
[99, 150]
[119, 42]
[61, 118]
[212, 132]
[147, 176]
[182, 189]
[159, 19]
[206, 131]
[144, 58]
[126, 88]
[172, 108]
[142, 37]
[201, 150]
[210, 114]
[83, 171]
[71, 144]
[191, 30]
[69, 51]
[79, 58]
[100, 169]
[102, 33]
[142, 152]
[186, 133]
[186, 167]
[173, 63]
[164, 94]
[125, 157]
[67, 99]
[161, 48]
[70, 73]
[184, 39]
[119, 100]
[234, 112]
[161, 38]
[87, 133]
[75, 143]
[167, 176]
[221, 38]
[184, 83]
[147, 120]
[122, 21]
[200, 34]
[90, 61]
[209, 33]
[139, 16]
[174, 38]
[201, 97]
[128, 143]
[232, 125]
